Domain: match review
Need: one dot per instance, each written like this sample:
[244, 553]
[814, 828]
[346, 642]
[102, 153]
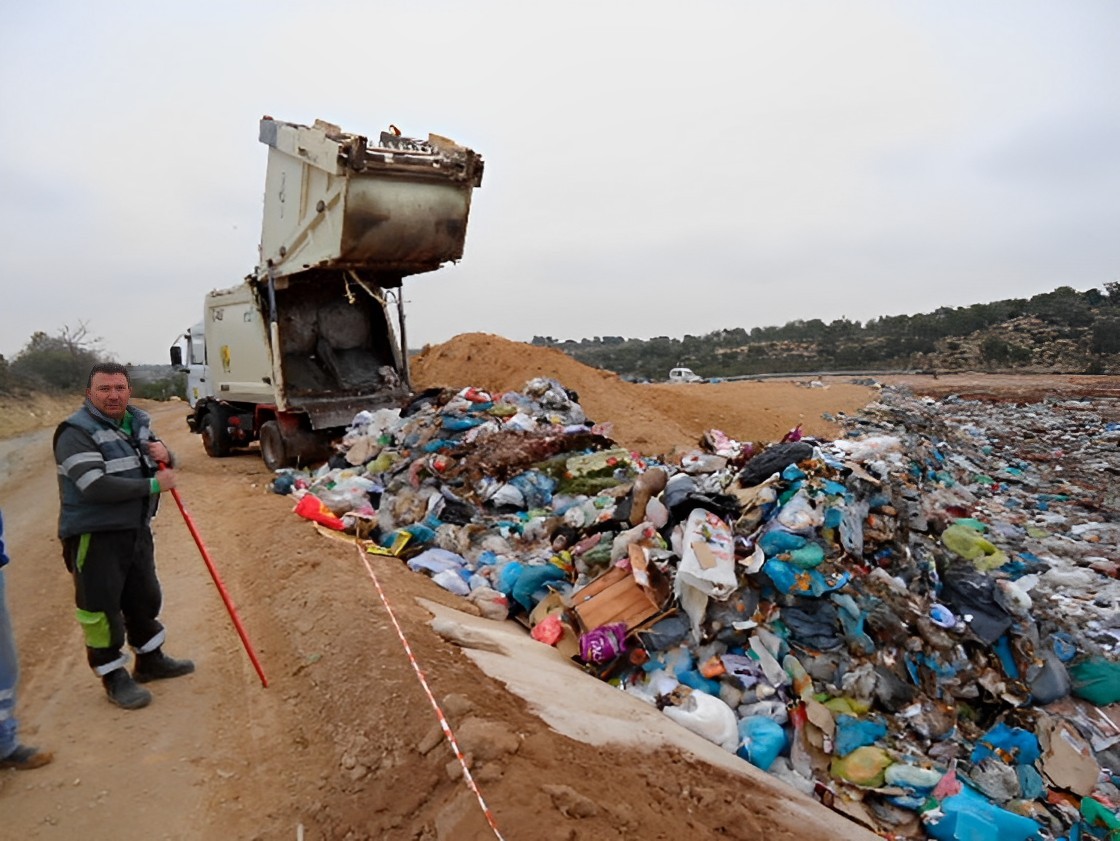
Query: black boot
[124, 691]
[155, 665]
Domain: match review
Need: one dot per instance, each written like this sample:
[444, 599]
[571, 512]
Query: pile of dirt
[651, 418]
[22, 413]
[498, 364]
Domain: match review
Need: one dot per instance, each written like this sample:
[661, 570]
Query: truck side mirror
[176, 356]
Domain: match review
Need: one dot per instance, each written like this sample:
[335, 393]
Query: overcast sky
[651, 168]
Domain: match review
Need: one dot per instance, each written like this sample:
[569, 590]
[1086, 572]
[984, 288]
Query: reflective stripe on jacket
[109, 452]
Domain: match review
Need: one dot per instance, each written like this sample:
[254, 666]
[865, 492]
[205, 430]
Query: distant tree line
[61, 364]
[1066, 330]
[1063, 331]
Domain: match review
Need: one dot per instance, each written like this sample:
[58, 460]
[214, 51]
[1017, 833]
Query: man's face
[109, 393]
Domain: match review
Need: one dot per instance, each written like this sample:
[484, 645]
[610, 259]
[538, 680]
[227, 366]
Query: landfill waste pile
[918, 623]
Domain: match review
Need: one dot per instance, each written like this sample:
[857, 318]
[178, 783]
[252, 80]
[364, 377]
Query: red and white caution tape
[443, 723]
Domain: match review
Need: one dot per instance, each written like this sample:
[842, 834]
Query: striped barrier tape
[443, 723]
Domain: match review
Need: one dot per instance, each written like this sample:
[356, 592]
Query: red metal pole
[221, 587]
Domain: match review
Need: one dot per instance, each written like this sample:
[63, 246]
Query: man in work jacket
[111, 471]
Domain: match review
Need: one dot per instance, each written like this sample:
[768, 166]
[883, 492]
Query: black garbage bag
[773, 460]
[814, 623]
[456, 511]
[970, 592]
[891, 691]
[681, 497]
[428, 397]
[665, 633]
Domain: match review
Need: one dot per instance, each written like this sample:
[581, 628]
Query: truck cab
[188, 356]
[684, 375]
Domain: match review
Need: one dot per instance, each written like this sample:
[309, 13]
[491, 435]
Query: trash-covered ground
[918, 622]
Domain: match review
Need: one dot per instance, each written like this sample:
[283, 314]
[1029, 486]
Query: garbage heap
[918, 623]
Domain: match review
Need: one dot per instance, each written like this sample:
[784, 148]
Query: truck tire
[215, 434]
[274, 450]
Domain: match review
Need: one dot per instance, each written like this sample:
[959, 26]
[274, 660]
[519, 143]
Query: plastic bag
[603, 644]
[310, 507]
[1097, 681]
[348, 493]
[973, 546]
[799, 515]
[705, 715]
[548, 630]
[490, 603]
[864, 766]
[852, 733]
[761, 739]
[452, 581]
[971, 812]
[536, 488]
[708, 555]
[436, 560]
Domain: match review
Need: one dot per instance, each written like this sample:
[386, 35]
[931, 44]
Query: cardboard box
[630, 596]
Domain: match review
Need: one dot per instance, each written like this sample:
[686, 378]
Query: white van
[684, 375]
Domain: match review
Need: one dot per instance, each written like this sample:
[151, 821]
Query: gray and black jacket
[104, 475]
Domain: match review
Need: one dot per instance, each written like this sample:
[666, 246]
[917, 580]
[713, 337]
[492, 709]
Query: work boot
[155, 665]
[124, 692]
[25, 757]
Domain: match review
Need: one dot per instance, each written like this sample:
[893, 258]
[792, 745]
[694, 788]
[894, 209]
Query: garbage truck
[316, 332]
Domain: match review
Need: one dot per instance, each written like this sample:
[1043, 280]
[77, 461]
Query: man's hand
[159, 452]
[166, 479]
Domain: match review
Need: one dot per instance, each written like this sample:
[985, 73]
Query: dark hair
[107, 368]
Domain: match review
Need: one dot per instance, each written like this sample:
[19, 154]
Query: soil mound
[23, 413]
[651, 418]
[497, 364]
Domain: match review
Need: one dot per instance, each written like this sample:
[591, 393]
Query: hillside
[1059, 332]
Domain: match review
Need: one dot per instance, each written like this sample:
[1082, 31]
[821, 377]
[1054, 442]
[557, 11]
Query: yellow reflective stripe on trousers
[95, 626]
[83, 550]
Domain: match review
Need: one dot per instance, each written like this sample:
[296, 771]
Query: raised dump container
[396, 207]
[308, 339]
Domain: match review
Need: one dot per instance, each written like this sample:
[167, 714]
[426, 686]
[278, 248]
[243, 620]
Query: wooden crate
[617, 596]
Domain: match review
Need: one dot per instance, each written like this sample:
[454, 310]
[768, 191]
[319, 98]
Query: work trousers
[117, 594]
[9, 676]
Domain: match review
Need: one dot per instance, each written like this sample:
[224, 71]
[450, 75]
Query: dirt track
[344, 742]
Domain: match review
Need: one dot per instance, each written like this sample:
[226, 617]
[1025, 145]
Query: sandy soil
[20, 414]
[653, 418]
[344, 743]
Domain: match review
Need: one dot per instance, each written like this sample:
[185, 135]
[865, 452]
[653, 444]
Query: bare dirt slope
[652, 418]
[26, 412]
[344, 743]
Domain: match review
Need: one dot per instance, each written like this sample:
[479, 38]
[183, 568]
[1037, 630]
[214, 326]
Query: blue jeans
[9, 674]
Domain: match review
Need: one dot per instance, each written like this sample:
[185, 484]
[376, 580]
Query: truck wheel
[215, 435]
[274, 450]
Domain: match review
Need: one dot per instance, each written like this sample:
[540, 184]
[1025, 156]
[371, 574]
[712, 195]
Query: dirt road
[344, 744]
[171, 770]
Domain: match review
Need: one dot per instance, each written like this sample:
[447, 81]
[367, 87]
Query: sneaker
[124, 691]
[24, 758]
[155, 665]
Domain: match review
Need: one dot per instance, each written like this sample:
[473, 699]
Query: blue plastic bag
[761, 739]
